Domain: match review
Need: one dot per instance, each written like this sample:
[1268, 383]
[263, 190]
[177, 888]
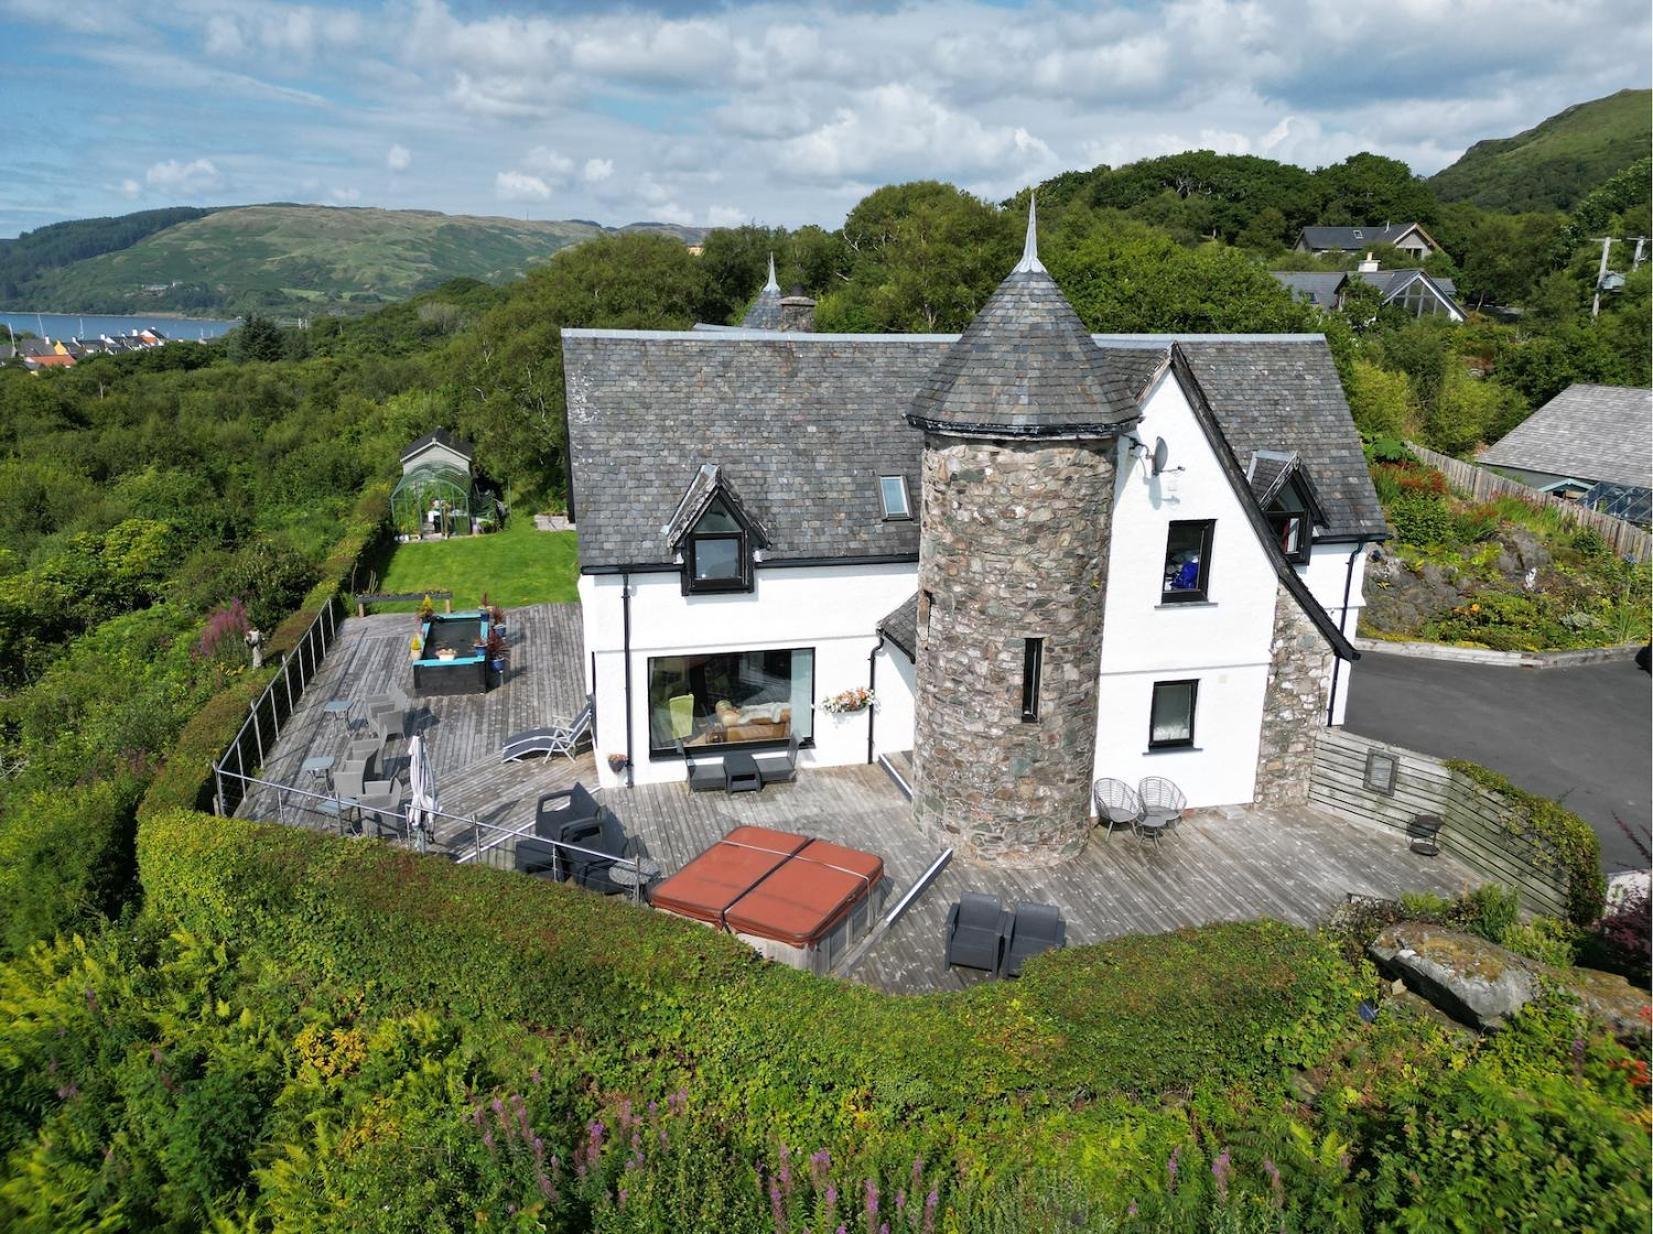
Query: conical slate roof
[1025, 367]
[765, 313]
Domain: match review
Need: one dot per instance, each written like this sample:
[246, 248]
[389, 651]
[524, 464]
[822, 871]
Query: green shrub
[1490, 910]
[1543, 939]
[1421, 519]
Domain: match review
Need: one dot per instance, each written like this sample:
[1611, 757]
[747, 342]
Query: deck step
[899, 768]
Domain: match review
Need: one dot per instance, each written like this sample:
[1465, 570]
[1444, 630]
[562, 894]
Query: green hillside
[1551, 166]
[302, 260]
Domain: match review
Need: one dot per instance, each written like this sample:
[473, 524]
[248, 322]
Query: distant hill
[297, 260]
[1553, 165]
[25, 258]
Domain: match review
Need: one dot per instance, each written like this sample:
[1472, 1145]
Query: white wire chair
[1162, 803]
[1117, 804]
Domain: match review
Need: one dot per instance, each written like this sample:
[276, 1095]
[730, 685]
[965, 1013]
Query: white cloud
[726, 216]
[548, 164]
[517, 186]
[598, 170]
[398, 157]
[895, 131]
[130, 188]
[345, 196]
[185, 179]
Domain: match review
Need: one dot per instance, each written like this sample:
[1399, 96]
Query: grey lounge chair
[1162, 805]
[563, 808]
[1034, 930]
[601, 842]
[388, 722]
[551, 739]
[1117, 804]
[779, 766]
[353, 789]
[976, 928]
[705, 775]
[364, 753]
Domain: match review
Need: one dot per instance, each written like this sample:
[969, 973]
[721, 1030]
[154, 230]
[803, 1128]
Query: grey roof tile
[900, 626]
[802, 425]
[1587, 432]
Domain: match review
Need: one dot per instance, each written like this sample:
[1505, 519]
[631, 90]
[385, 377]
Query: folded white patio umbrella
[422, 789]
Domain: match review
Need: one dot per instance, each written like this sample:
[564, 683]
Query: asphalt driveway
[1581, 735]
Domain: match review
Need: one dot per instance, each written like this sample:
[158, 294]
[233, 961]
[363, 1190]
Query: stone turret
[1020, 423]
[773, 311]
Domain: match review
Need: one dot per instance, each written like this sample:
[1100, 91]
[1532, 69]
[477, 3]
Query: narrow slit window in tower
[1033, 663]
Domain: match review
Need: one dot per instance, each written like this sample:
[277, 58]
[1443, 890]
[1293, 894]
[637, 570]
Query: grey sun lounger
[552, 739]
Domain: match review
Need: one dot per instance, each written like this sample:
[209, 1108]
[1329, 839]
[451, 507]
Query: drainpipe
[625, 607]
[1342, 621]
[872, 682]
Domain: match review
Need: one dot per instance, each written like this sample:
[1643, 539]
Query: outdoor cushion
[1034, 929]
[976, 928]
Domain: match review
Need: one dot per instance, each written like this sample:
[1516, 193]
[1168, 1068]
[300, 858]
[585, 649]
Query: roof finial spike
[1030, 251]
[771, 285]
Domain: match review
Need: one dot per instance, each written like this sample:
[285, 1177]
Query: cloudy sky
[722, 113]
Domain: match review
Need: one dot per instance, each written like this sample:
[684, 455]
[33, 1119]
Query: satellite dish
[1161, 454]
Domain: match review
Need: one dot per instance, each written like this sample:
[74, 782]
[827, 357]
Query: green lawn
[516, 566]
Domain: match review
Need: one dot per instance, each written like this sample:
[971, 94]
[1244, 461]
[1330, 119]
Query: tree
[1265, 233]
[256, 338]
[506, 375]
[1121, 275]
[1381, 401]
[923, 257]
[1371, 189]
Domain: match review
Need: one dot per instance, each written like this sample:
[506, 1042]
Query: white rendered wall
[1326, 573]
[897, 688]
[832, 609]
[1223, 644]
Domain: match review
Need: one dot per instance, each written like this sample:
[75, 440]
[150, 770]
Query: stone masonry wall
[1014, 545]
[1294, 703]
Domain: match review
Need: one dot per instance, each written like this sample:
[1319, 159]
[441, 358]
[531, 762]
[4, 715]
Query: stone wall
[1294, 703]
[1014, 546]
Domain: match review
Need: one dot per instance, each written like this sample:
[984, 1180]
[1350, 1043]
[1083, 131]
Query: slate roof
[765, 313]
[1267, 472]
[1587, 433]
[1351, 238]
[1024, 368]
[1313, 286]
[802, 425]
[901, 626]
[441, 437]
[1282, 392]
[708, 485]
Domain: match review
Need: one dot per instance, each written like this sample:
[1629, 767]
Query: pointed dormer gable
[1025, 367]
[715, 535]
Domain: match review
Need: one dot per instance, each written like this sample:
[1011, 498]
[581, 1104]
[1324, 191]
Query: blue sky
[722, 113]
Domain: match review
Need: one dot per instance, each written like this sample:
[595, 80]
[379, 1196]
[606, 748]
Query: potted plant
[427, 610]
[857, 698]
[495, 648]
[415, 646]
[617, 763]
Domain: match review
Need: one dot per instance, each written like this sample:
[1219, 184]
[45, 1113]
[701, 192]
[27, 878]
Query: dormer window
[717, 556]
[1290, 519]
[892, 494]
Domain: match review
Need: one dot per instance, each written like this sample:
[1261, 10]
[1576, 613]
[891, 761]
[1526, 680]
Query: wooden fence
[245, 755]
[1472, 819]
[1626, 539]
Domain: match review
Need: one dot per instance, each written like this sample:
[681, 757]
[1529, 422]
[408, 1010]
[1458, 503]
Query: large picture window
[1171, 726]
[731, 699]
[1187, 561]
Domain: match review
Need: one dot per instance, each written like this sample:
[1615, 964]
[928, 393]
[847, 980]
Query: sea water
[91, 325]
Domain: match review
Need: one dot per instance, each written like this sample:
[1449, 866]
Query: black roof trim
[1230, 465]
[1022, 432]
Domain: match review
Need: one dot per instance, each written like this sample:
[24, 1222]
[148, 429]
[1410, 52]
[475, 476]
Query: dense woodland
[154, 506]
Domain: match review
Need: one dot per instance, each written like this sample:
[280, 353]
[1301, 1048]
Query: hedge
[185, 780]
[1236, 1003]
[1570, 841]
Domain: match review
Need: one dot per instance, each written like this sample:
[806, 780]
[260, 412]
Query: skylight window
[892, 492]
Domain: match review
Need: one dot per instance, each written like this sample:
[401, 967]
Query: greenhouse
[438, 493]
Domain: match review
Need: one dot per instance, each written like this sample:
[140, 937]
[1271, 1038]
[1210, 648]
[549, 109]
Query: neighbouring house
[1591, 444]
[1052, 556]
[1408, 237]
[1416, 291]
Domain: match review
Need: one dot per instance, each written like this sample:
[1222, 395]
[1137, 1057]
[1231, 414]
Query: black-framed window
[1171, 717]
[717, 555]
[1382, 770]
[728, 699]
[1187, 560]
[892, 496]
[1288, 517]
[1033, 667]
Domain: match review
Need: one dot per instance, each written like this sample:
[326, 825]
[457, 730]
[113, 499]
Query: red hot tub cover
[801, 902]
[706, 887]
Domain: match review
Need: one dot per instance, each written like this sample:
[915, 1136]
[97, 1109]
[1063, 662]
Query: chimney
[1369, 266]
[798, 314]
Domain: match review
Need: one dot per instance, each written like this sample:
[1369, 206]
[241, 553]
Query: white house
[768, 519]
[1408, 237]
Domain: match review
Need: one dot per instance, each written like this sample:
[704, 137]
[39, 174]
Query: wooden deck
[1295, 865]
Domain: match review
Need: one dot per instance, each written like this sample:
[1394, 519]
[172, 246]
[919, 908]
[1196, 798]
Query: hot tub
[465, 671]
[796, 900]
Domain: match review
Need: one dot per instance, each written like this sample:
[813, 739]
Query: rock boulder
[1475, 982]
